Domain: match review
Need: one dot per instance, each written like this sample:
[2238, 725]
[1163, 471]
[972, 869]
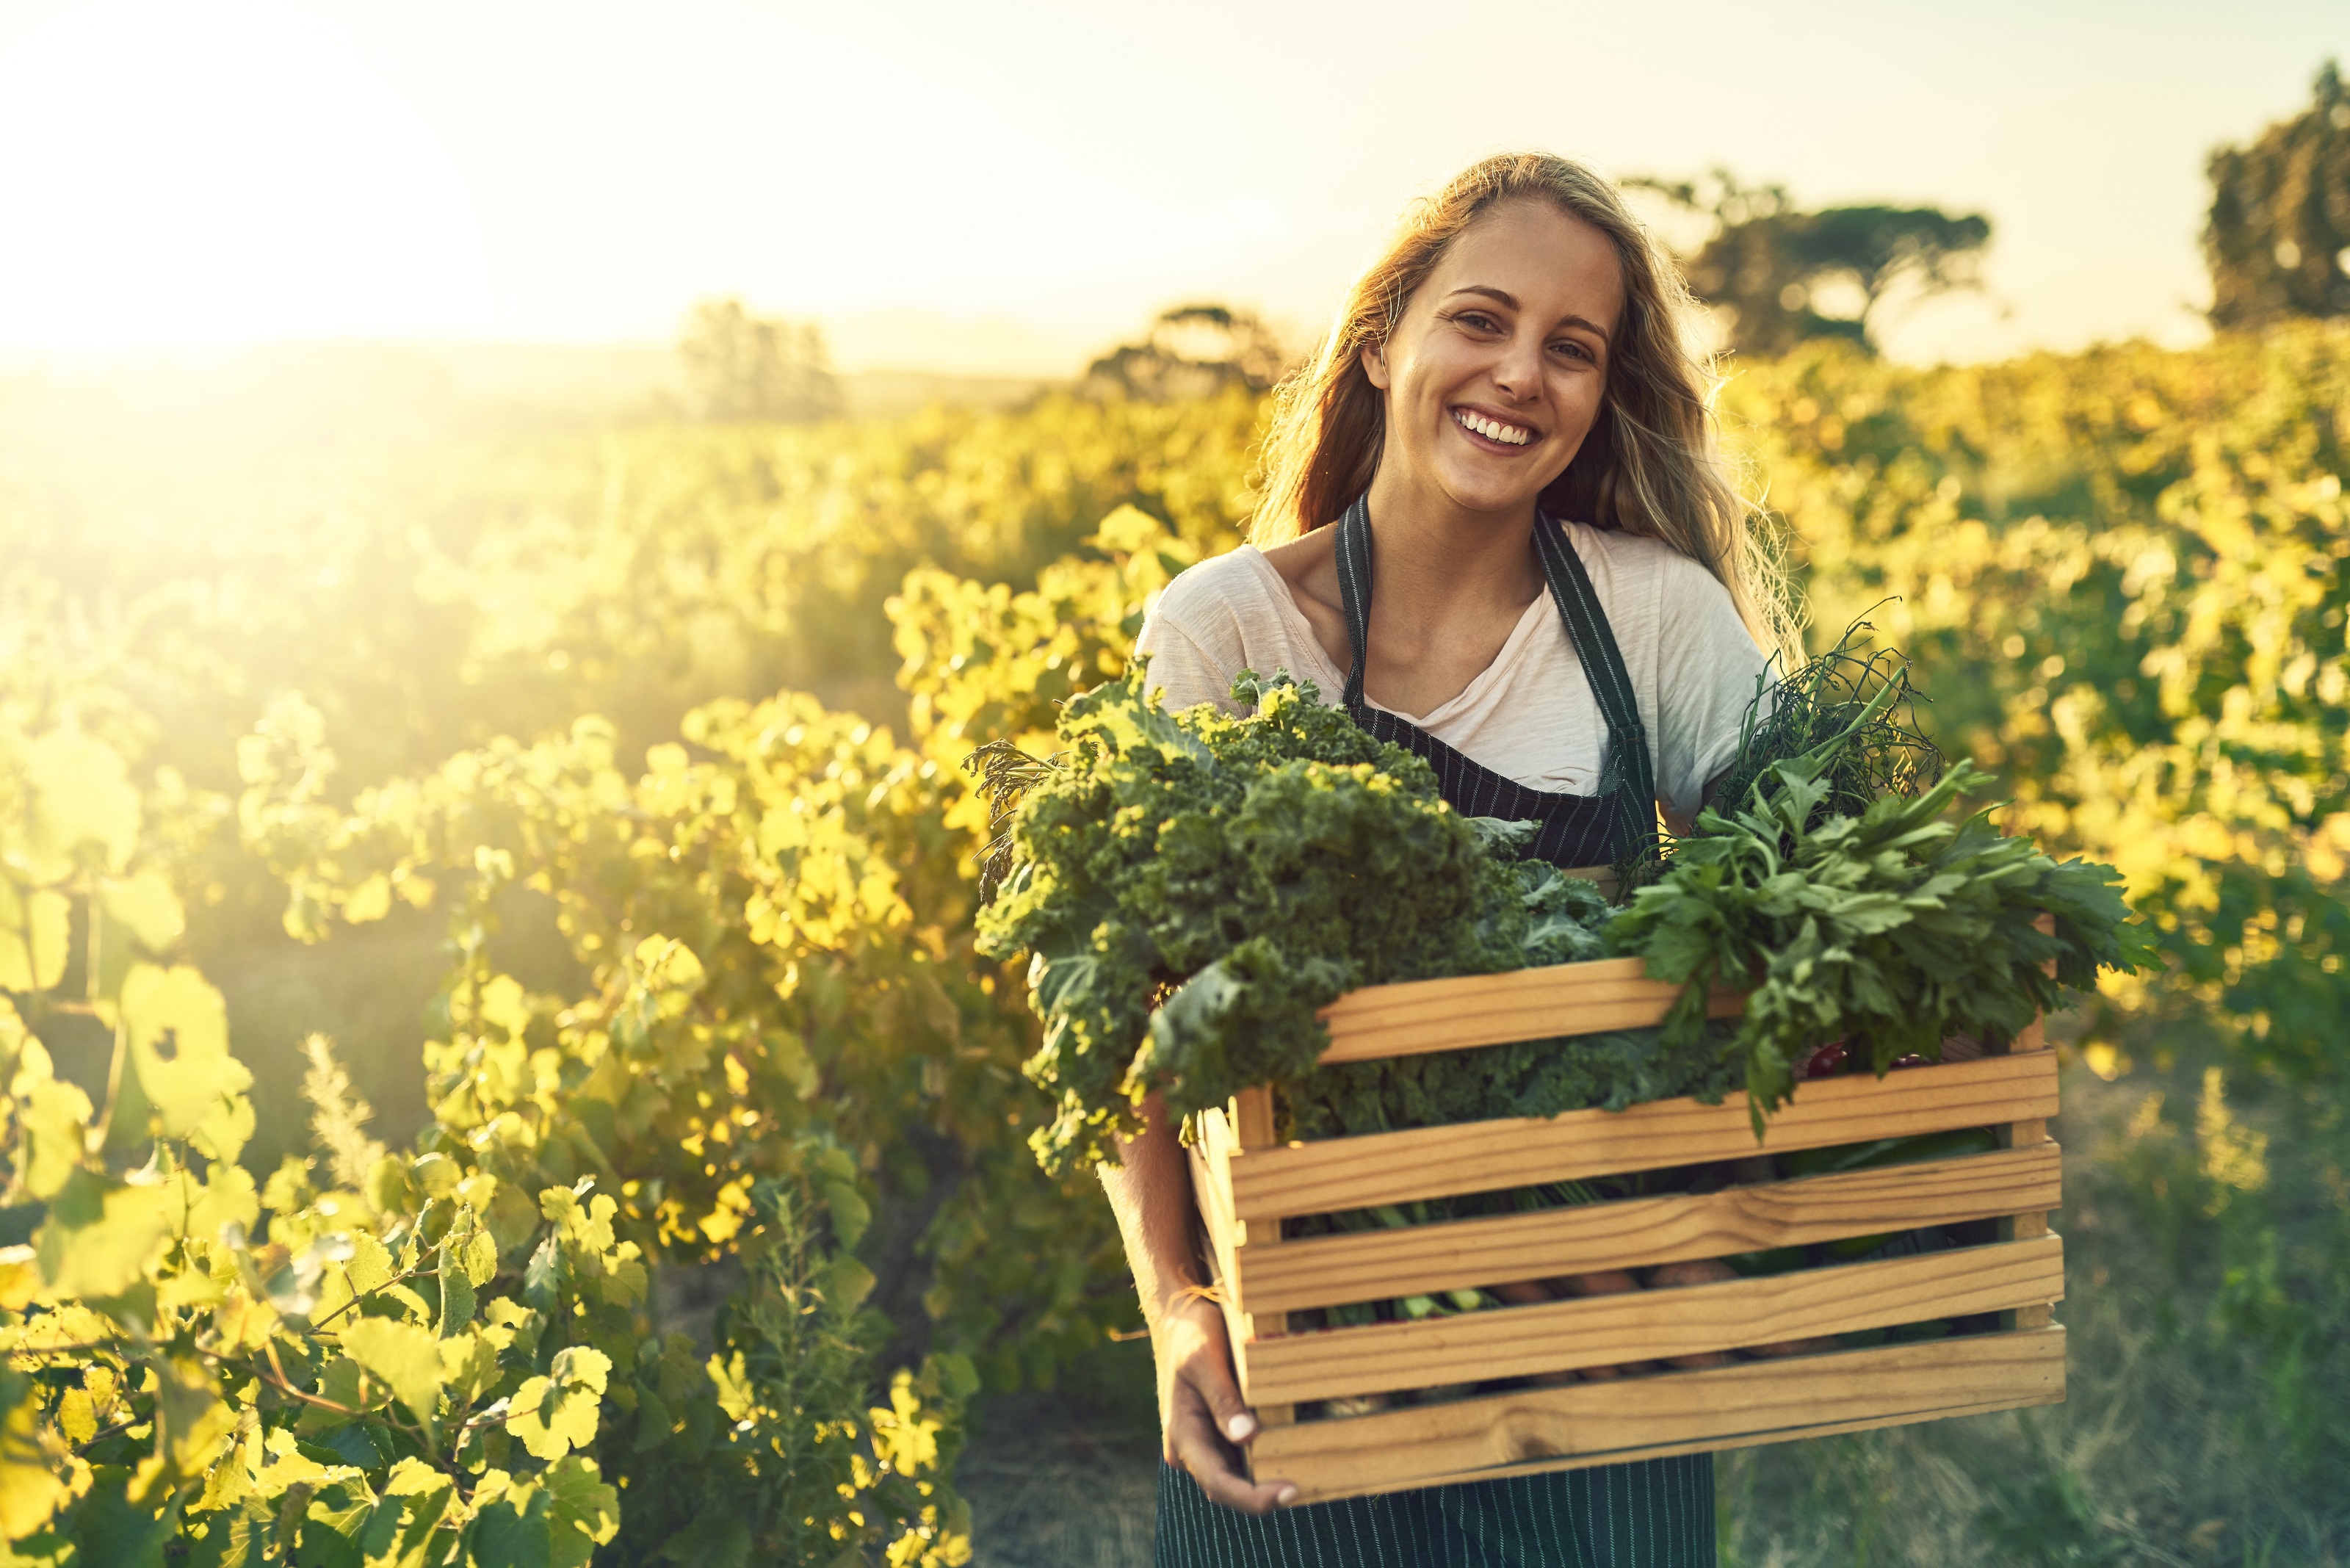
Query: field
[595, 789]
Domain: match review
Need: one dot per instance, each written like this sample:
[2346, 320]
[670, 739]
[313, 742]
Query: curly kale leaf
[1243, 873]
[1531, 1078]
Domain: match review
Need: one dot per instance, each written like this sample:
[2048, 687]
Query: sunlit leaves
[406, 1357]
[37, 1475]
[35, 934]
[176, 1029]
[52, 1116]
[556, 1413]
[98, 1240]
[2122, 575]
[83, 803]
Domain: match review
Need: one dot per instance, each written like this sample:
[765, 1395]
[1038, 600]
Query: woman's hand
[1202, 1421]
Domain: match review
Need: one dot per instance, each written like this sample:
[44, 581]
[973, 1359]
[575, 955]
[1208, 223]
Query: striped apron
[1658, 1513]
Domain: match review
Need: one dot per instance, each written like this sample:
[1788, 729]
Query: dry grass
[1060, 1481]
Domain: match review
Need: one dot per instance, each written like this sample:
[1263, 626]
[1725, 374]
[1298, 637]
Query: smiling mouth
[1491, 429]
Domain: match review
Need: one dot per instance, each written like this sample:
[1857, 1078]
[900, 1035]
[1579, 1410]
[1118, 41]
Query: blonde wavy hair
[1652, 464]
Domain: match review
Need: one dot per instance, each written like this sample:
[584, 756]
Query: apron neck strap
[1629, 774]
[1355, 591]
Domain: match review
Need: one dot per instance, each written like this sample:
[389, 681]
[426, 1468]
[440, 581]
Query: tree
[2278, 239]
[1192, 351]
[1779, 273]
[739, 366]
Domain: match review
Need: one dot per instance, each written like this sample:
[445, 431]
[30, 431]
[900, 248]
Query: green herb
[1889, 930]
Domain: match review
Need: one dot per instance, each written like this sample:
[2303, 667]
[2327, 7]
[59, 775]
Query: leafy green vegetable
[1530, 1078]
[1891, 929]
[1242, 873]
[1193, 888]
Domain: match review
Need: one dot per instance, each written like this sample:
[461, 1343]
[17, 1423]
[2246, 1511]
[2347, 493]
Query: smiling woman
[1571, 620]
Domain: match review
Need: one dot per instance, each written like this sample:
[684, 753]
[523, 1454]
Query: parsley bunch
[1891, 929]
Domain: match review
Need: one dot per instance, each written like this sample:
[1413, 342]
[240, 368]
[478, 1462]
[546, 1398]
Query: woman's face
[1493, 376]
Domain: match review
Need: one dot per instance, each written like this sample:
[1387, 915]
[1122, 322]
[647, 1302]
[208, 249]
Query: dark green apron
[1658, 1513]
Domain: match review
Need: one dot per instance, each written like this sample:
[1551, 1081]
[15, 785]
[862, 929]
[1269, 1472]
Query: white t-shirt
[1529, 715]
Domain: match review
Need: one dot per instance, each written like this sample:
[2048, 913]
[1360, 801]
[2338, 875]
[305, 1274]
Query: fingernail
[1240, 1428]
[1288, 1495]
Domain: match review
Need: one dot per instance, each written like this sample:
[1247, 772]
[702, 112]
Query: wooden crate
[1248, 1183]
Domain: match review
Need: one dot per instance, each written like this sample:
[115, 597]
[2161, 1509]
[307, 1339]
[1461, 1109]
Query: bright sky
[989, 185]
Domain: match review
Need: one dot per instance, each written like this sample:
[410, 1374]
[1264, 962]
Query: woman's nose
[1518, 371]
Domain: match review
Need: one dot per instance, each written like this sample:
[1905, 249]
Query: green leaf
[177, 1029]
[481, 1257]
[54, 1116]
[35, 938]
[98, 1240]
[144, 905]
[456, 1290]
[82, 796]
[34, 1482]
[586, 1512]
[399, 1532]
[846, 1283]
[407, 1359]
[288, 1466]
[554, 1414]
[514, 1531]
[850, 1213]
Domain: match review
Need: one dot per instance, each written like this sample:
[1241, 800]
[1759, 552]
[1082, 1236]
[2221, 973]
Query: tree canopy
[2278, 238]
[1782, 275]
[1192, 351]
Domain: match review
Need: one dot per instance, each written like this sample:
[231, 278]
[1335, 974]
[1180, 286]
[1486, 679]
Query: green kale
[1193, 888]
[1530, 1078]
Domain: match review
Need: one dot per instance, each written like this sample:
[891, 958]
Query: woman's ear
[1375, 364]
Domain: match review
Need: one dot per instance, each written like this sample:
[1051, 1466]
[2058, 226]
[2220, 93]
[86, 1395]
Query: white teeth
[1492, 429]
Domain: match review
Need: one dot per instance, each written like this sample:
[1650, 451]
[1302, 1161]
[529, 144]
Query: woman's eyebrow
[1505, 296]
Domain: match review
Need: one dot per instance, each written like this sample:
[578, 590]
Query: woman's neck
[1432, 560]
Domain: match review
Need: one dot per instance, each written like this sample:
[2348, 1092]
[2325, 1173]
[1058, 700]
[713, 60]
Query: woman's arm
[1200, 1405]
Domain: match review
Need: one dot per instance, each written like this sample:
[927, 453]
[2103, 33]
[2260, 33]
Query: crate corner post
[1247, 1126]
[2029, 1135]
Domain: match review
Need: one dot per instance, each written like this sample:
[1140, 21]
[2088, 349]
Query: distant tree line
[2278, 239]
[1190, 351]
[740, 368]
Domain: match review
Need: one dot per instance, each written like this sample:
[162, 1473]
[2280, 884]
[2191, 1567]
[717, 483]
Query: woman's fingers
[1207, 1419]
[1209, 1371]
[1195, 1447]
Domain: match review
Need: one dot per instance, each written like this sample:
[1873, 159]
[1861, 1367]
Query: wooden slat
[1739, 1406]
[1705, 1445]
[1424, 1015]
[1481, 1157]
[1638, 1233]
[1650, 1325]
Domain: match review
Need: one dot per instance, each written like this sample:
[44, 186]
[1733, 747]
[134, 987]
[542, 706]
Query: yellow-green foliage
[2122, 575]
[699, 698]
[418, 1370]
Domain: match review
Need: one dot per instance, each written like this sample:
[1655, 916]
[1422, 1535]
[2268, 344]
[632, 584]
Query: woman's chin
[1490, 494]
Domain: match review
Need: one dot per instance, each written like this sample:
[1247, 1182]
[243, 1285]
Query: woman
[1507, 436]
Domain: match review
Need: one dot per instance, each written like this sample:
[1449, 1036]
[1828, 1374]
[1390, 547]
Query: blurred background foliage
[595, 785]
